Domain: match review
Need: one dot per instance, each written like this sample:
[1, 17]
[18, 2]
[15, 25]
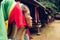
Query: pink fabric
[17, 16]
[28, 32]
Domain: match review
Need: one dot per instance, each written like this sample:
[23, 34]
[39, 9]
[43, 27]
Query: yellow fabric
[6, 22]
[6, 25]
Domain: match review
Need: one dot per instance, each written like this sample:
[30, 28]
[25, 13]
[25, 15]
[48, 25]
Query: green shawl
[6, 5]
[3, 34]
[4, 9]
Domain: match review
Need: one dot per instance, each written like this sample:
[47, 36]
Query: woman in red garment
[24, 31]
[23, 21]
[16, 20]
[13, 16]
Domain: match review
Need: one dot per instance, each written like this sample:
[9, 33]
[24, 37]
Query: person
[13, 17]
[25, 30]
[28, 18]
[3, 34]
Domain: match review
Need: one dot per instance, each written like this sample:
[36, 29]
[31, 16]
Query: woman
[13, 17]
[25, 30]
[28, 18]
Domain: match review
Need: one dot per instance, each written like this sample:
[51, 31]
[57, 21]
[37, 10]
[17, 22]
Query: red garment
[28, 32]
[17, 16]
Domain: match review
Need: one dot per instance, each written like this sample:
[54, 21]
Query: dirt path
[50, 32]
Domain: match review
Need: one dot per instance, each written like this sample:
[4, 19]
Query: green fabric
[6, 4]
[4, 9]
[3, 34]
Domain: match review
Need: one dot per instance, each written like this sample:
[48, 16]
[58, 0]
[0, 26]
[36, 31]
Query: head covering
[17, 16]
[3, 34]
[6, 4]
[13, 12]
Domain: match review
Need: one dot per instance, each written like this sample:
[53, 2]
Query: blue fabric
[26, 37]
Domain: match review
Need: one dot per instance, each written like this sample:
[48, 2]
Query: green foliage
[53, 4]
[50, 5]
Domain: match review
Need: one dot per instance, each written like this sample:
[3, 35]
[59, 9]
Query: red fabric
[28, 32]
[17, 16]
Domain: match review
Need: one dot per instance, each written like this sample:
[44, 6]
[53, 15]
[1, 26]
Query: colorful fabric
[17, 16]
[3, 34]
[6, 4]
[6, 25]
[26, 37]
[28, 33]
[12, 12]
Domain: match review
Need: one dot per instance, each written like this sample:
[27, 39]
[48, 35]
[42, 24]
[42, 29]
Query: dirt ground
[49, 32]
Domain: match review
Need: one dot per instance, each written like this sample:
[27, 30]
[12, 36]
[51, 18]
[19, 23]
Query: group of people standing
[14, 16]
